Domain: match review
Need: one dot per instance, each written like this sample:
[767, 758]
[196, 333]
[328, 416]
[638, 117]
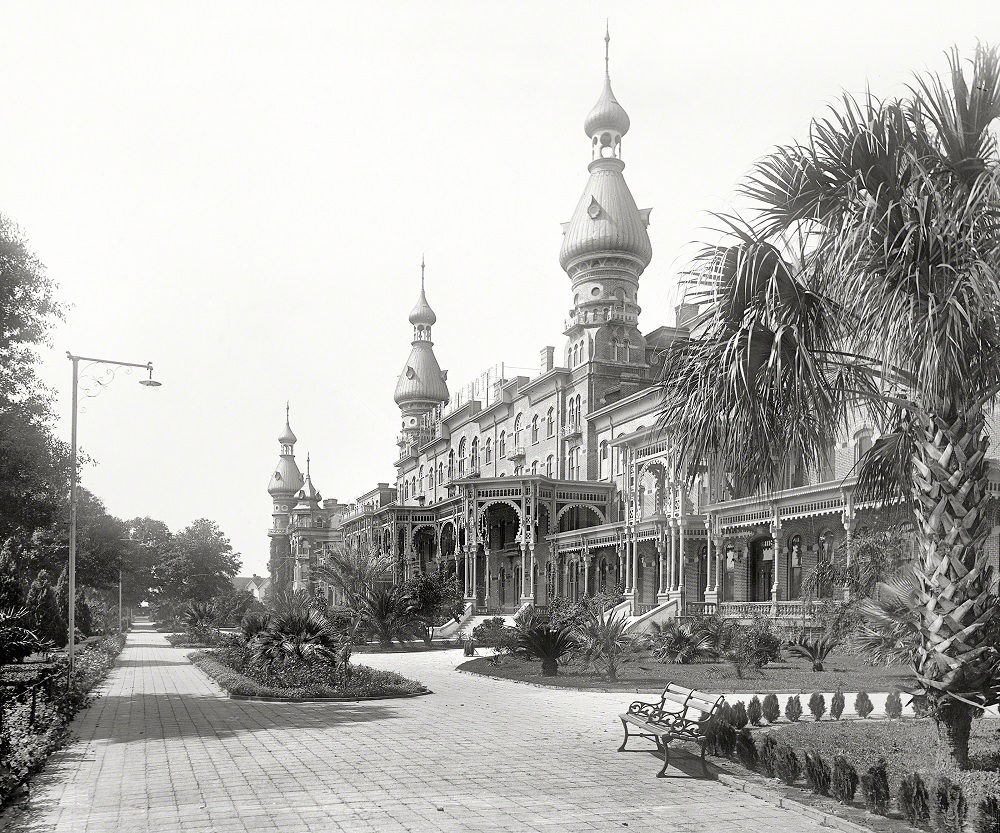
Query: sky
[241, 193]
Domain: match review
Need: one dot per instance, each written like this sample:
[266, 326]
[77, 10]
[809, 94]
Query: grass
[365, 682]
[790, 675]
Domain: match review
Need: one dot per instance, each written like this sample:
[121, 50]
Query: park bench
[681, 714]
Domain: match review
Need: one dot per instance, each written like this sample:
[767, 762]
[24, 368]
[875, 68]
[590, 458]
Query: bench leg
[625, 727]
[704, 766]
[663, 742]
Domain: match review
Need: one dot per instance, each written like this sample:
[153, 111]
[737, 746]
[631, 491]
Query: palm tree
[865, 286]
[355, 570]
[387, 613]
[298, 635]
[676, 644]
[816, 650]
[549, 645]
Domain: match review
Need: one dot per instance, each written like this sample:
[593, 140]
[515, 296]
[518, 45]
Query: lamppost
[150, 383]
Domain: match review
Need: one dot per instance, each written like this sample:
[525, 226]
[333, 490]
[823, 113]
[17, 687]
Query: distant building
[562, 484]
[257, 585]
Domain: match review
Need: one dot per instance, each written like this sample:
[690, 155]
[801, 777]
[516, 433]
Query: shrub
[720, 739]
[817, 705]
[754, 711]
[863, 704]
[912, 799]
[814, 650]
[254, 622]
[602, 642]
[844, 780]
[766, 755]
[893, 705]
[771, 709]
[948, 808]
[746, 749]
[875, 789]
[786, 764]
[818, 773]
[726, 713]
[493, 633]
[754, 647]
[738, 716]
[549, 645]
[793, 708]
[987, 818]
[676, 644]
[837, 705]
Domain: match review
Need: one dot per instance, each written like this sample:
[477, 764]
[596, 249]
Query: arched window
[626, 350]
[578, 411]
[604, 449]
[573, 463]
[534, 429]
[461, 457]
[488, 450]
[451, 464]
[575, 356]
[570, 413]
[517, 431]
[614, 349]
[583, 352]
[550, 425]
[502, 445]
[534, 467]
[475, 454]
[430, 474]
[440, 472]
[795, 567]
[548, 466]
[413, 486]
[420, 478]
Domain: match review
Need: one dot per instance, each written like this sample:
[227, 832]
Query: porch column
[849, 548]
[586, 575]
[565, 592]
[775, 530]
[670, 555]
[531, 573]
[525, 580]
[709, 552]
[636, 590]
[680, 559]
[661, 584]
[474, 555]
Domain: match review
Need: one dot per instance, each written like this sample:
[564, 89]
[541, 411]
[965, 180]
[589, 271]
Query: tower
[422, 384]
[285, 484]
[303, 543]
[605, 246]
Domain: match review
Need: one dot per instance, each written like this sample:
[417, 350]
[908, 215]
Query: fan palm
[816, 650]
[298, 635]
[865, 287]
[676, 644]
[603, 642]
[549, 645]
[355, 570]
[387, 613]
[16, 641]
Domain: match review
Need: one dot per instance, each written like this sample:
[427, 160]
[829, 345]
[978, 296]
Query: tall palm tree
[355, 570]
[865, 285]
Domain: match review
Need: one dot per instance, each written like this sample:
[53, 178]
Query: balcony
[571, 430]
[516, 453]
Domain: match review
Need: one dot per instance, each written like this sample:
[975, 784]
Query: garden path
[163, 750]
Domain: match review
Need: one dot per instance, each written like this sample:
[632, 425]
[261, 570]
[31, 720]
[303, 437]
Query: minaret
[285, 483]
[605, 246]
[422, 384]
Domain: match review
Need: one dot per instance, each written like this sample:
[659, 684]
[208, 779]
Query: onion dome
[308, 496]
[422, 312]
[287, 437]
[608, 116]
[287, 479]
[422, 380]
[606, 221]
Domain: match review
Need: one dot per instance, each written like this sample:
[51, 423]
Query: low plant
[754, 711]
[948, 806]
[746, 749]
[837, 705]
[494, 633]
[817, 705]
[912, 799]
[793, 708]
[818, 773]
[738, 717]
[766, 755]
[987, 819]
[893, 705]
[602, 642]
[548, 645]
[771, 709]
[254, 622]
[863, 704]
[875, 789]
[786, 764]
[816, 650]
[674, 644]
[843, 780]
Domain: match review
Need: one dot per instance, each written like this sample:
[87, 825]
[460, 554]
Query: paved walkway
[162, 750]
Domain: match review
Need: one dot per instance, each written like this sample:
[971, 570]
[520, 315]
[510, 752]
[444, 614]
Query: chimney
[685, 313]
[548, 358]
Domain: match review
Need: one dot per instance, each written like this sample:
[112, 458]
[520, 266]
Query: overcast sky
[241, 192]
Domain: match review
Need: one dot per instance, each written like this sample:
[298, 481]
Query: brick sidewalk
[162, 750]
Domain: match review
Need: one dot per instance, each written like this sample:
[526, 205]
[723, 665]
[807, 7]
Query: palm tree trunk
[550, 668]
[955, 597]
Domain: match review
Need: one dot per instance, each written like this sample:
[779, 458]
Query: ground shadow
[124, 663]
[683, 763]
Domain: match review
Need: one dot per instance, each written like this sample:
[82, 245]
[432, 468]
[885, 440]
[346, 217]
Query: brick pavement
[163, 750]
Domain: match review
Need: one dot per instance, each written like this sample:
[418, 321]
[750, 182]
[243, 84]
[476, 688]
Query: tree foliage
[197, 564]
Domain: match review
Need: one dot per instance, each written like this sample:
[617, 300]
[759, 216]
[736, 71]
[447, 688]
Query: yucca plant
[816, 650]
[602, 642]
[16, 641]
[864, 286]
[387, 613]
[548, 645]
[297, 635]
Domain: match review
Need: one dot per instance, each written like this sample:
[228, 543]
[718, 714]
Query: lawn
[845, 671]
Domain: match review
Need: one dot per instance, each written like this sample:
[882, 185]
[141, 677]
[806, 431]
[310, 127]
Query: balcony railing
[571, 430]
[516, 453]
[700, 608]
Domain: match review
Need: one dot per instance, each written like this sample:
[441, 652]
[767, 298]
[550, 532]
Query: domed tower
[285, 483]
[422, 384]
[307, 502]
[605, 246]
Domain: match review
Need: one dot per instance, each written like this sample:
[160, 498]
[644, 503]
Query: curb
[738, 784]
[252, 698]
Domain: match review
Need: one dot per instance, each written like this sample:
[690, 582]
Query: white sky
[241, 193]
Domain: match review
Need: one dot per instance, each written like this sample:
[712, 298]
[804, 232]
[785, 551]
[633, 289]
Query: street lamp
[149, 382]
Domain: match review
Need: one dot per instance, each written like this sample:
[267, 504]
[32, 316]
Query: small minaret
[605, 245]
[285, 484]
[421, 386]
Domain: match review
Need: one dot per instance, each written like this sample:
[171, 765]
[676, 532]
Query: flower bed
[232, 667]
[844, 671]
[25, 744]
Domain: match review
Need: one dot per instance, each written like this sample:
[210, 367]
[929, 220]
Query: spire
[607, 122]
[287, 436]
[422, 316]
[421, 385]
[287, 479]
